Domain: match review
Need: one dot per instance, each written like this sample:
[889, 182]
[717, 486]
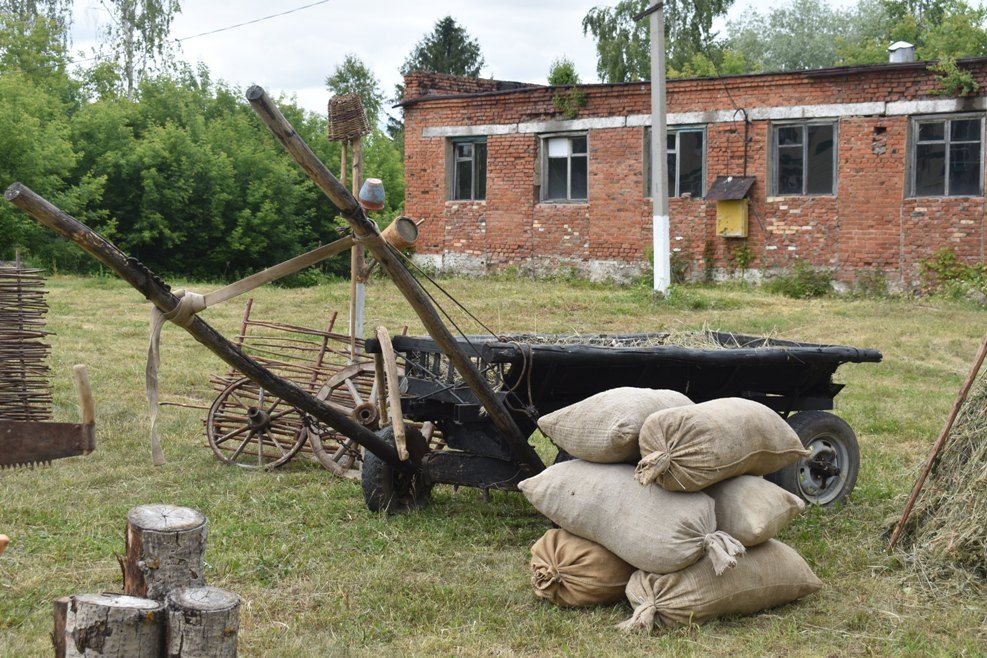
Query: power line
[256, 20]
[216, 31]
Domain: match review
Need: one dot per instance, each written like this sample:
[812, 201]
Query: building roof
[833, 71]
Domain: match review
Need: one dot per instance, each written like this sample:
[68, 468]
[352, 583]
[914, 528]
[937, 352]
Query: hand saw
[32, 443]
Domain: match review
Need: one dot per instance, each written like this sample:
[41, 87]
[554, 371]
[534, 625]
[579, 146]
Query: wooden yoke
[367, 233]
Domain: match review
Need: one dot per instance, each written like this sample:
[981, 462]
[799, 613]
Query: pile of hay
[945, 539]
[703, 339]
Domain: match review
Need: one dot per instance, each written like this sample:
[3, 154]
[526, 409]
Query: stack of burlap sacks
[686, 534]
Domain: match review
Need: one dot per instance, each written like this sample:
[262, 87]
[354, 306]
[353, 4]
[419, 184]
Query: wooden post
[108, 626]
[165, 550]
[203, 622]
[364, 229]
[390, 367]
[357, 258]
[87, 408]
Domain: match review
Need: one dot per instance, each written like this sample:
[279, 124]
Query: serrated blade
[31, 443]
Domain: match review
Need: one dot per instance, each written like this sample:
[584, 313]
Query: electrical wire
[252, 22]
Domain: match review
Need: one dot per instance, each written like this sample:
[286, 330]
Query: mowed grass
[320, 575]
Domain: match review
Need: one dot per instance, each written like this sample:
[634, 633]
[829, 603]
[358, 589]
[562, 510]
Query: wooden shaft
[366, 231]
[380, 384]
[393, 391]
[357, 291]
[940, 442]
[159, 294]
[87, 408]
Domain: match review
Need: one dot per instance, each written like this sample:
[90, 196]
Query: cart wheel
[250, 428]
[385, 488]
[828, 475]
[353, 390]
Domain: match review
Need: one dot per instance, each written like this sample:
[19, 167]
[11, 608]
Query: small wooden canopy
[730, 188]
[347, 120]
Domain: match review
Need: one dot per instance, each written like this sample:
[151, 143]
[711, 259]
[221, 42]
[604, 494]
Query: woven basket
[347, 119]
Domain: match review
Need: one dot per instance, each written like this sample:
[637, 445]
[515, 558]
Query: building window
[686, 162]
[947, 158]
[469, 171]
[804, 159]
[565, 169]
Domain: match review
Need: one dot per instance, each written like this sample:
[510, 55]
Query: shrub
[945, 273]
[802, 281]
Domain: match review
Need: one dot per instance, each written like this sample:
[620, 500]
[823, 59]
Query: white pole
[659, 158]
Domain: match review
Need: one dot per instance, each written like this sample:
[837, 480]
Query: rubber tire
[809, 425]
[387, 490]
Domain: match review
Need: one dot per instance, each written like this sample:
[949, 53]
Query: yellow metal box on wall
[731, 218]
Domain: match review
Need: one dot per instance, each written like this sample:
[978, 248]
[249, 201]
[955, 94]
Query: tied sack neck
[722, 550]
[642, 593]
[652, 467]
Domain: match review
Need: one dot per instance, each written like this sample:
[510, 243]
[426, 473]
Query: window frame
[775, 165]
[699, 128]
[454, 161]
[543, 162]
[914, 143]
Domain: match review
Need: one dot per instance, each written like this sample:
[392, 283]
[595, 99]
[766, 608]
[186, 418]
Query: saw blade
[34, 443]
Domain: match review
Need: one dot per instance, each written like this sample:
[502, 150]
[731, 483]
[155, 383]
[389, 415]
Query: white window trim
[543, 161]
[913, 154]
[773, 164]
[678, 130]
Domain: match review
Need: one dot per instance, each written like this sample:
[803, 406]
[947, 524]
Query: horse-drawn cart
[485, 395]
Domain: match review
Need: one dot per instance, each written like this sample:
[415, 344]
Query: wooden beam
[159, 294]
[366, 232]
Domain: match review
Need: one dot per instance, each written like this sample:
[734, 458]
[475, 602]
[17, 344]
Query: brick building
[857, 169]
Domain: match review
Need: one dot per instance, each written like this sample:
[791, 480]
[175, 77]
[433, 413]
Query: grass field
[320, 575]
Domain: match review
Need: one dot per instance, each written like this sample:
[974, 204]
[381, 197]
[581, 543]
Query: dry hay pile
[704, 339]
[945, 539]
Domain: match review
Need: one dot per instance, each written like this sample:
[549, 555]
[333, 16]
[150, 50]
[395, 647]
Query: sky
[293, 54]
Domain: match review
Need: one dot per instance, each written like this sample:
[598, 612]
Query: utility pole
[659, 150]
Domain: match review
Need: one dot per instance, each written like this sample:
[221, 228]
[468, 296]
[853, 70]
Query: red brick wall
[869, 224]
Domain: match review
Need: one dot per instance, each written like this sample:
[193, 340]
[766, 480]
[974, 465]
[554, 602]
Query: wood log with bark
[203, 622]
[108, 625]
[165, 550]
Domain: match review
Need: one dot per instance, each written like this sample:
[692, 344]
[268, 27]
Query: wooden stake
[107, 625]
[357, 289]
[165, 550]
[393, 392]
[940, 443]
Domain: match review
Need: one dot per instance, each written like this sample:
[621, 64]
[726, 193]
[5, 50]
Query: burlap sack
[604, 428]
[690, 448]
[653, 529]
[770, 575]
[751, 509]
[572, 571]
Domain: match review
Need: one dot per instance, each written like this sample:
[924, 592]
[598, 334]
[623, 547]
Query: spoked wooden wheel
[250, 428]
[353, 389]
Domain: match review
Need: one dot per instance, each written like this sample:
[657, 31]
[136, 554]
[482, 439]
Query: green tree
[27, 13]
[623, 44]
[138, 37]
[352, 76]
[563, 72]
[448, 48]
[801, 35]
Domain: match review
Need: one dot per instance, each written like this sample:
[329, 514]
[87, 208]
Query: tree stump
[108, 625]
[203, 622]
[165, 550]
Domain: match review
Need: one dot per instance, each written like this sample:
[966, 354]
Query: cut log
[110, 625]
[203, 622]
[165, 550]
